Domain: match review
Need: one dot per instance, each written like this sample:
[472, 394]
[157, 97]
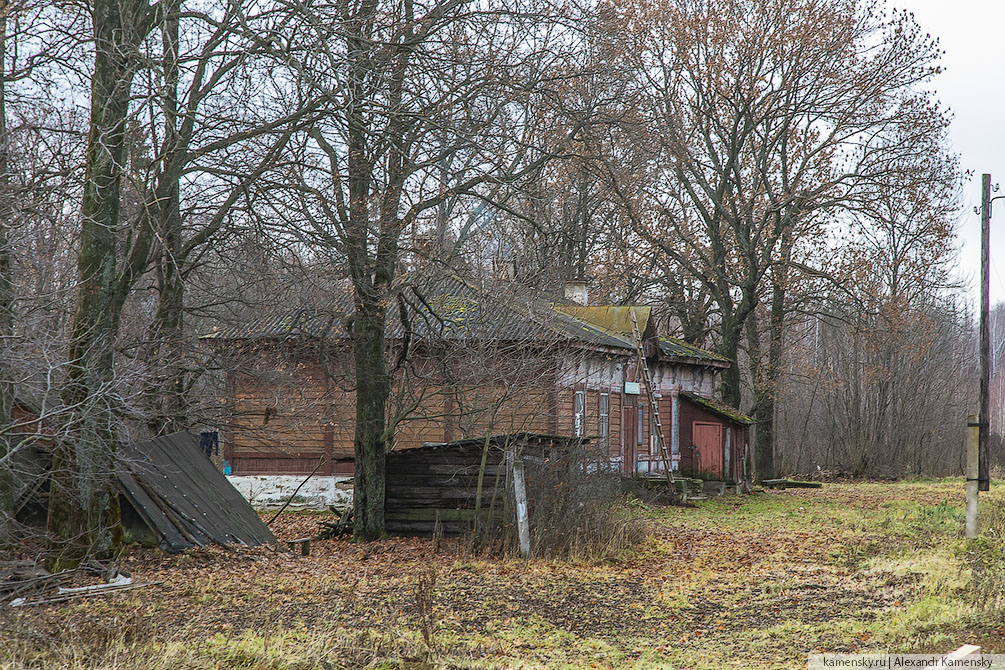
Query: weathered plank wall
[440, 483]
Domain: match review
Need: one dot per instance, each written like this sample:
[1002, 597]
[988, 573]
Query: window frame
[579, 413]
[604, 418]
[640, 422]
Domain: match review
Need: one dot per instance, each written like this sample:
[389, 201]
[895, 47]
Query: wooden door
[708, 447]
[628, 435]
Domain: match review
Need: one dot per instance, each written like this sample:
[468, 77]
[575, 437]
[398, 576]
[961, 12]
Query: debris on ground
[24, 583]
[790, 484]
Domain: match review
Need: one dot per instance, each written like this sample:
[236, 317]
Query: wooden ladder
[654, 407]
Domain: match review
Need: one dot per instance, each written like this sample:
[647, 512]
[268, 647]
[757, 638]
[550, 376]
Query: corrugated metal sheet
[183, 498]
[452, 308]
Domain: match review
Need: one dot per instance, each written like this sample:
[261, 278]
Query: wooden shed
[439, 483]
[713, 437]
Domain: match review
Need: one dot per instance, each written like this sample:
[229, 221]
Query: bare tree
[759, 123]
[427, 102]
[210, 147]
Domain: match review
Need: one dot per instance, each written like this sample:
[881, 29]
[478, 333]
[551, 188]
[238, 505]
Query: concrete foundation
[273, 490]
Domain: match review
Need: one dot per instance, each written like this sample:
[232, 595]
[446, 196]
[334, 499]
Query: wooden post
[972, 470]
[983, 481]
[520, 498]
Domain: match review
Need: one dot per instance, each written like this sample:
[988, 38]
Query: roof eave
[706, 362]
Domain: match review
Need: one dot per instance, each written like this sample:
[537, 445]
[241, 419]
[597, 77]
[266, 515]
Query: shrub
[576, 510]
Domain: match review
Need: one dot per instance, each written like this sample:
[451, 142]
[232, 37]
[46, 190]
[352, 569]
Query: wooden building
[474, 360]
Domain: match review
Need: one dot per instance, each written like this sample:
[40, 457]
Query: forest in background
[772, 176]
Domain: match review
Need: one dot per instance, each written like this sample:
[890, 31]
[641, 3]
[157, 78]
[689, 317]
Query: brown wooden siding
[286, 413]
[689, 414]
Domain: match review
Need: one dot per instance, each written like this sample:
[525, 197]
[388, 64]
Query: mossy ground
[741, 581]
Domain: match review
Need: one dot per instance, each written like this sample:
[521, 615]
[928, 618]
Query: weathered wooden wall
[439, 484]
[288, 410]
[690, 413]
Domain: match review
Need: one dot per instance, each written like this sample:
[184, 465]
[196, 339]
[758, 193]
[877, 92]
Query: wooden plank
[426, 527]
[423, 457]
[431, 514]
[442, 492]
[439, 469]
[431, 502]
[962, 652]
[423, 479]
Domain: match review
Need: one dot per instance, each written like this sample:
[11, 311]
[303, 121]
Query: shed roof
[719, 408]
[183, 498]
[478, 443]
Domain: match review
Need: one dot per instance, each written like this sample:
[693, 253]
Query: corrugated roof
[183, 498]
[453, 308]
[444, 307]
[613, 319]
[719, 408]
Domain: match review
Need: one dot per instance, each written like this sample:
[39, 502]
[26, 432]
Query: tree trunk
[6, 304]
[165, 392]
[372, 391]
[729, 347]
[83, 504]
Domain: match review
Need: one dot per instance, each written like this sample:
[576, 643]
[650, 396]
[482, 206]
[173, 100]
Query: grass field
[741, 581]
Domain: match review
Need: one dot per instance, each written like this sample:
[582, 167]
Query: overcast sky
[973, 87]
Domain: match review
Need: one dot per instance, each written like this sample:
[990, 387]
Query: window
[640, 431]
[579, 411]
[654, 446]
[605, 420]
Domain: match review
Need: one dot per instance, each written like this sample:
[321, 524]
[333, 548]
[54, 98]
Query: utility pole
[983, 482]
[973, 431]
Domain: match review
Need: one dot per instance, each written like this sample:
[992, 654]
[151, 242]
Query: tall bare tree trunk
[6, 297]
[372, 391]
[165, 392]
[83, 505]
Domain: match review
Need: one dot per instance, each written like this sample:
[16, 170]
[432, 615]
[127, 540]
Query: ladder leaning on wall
[654, 408]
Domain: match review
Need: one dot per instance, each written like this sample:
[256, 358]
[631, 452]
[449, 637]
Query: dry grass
[756, 581]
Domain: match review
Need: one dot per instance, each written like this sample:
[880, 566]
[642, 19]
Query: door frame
[629, 426]
[697, 452]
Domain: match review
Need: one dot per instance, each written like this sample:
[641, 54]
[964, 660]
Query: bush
[576, 511]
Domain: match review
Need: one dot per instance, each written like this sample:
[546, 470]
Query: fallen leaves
[732, 578]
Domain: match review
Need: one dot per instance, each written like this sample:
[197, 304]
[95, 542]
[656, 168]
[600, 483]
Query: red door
[628, 437]
[708, 448]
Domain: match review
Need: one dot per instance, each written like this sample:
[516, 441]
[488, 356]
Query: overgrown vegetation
[739, 581]
[985, 557]
[577, 511]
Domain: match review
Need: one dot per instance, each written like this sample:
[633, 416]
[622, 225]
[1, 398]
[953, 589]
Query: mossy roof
[671, 346]
[719, 408]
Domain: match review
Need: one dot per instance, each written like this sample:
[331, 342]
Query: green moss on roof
[718, 408]
[613, 319]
